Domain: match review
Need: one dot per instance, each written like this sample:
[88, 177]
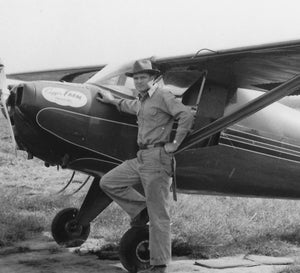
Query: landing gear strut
[71, 227]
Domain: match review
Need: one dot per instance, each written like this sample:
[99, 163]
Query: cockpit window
[113, 77]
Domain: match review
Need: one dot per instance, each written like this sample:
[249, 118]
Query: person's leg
[118, 183]
[155, 175]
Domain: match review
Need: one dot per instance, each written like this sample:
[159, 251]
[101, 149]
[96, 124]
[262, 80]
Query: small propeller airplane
[238, 146]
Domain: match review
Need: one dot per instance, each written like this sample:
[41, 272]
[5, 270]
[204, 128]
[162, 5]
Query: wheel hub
[142, 251]
[73, 229]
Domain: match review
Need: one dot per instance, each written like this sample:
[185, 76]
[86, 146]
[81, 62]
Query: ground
[42, 255]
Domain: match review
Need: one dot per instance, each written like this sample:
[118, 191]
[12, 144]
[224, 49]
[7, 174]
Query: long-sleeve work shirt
[156, 112]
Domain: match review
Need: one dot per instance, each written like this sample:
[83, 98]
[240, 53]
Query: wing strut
[201, 88]
[248, 109]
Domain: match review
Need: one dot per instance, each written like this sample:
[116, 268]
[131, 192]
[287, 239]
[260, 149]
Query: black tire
[65, 230]
[134, 249]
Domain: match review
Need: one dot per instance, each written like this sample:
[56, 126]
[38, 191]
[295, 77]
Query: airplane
[243, 142]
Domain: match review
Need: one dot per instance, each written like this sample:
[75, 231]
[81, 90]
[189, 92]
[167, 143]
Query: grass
[227, 226]
[202, 226]
[22, 216]
[210, 226]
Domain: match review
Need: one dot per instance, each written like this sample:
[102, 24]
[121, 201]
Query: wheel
[134, 249]
[66, 231]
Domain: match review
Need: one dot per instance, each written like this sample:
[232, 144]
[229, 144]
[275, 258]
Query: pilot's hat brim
[142, 66]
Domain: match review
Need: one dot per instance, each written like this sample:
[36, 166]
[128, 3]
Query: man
[156, 111]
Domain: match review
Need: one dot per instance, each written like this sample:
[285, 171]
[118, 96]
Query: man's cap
[142, 66]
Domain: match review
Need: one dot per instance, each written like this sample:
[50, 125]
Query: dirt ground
[43, 255]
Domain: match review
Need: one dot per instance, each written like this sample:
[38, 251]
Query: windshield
[113, 77]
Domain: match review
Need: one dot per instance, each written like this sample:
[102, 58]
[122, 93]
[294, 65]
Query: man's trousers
[152, 168]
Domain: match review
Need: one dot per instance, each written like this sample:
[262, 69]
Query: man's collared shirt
[156, 111]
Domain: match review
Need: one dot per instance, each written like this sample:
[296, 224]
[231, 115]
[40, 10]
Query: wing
[260, 67]
[78, 74]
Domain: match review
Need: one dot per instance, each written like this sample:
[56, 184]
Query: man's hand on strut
[105, 96]
[171, 147]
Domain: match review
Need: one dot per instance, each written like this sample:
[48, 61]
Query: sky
[49, 34]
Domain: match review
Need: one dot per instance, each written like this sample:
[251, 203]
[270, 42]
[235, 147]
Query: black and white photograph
[152, 136]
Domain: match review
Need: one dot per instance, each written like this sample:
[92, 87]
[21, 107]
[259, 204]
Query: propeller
[4, 95]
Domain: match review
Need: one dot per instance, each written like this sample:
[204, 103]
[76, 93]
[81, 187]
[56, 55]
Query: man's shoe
[141, 219]
[155, 269]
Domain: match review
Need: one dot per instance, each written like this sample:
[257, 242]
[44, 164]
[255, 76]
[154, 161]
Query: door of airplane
[208, 100]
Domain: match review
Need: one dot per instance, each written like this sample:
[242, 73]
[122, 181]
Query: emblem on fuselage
[64, 96]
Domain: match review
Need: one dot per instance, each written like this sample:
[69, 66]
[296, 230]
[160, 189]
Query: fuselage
[63, 124]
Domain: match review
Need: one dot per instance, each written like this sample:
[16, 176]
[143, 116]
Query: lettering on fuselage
[64, 97]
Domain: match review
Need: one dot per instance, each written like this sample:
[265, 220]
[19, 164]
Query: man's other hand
[105, 96]
[171, 147]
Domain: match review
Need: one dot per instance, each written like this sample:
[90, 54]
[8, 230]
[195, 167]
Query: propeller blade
[4, 94]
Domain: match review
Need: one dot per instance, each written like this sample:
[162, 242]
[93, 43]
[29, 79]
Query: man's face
[143, 81]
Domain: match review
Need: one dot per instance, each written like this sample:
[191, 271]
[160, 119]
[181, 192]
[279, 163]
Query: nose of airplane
[24, 96]
[22, 112]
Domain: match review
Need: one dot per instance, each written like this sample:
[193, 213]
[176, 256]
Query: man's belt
[149, 146]
[161, 144]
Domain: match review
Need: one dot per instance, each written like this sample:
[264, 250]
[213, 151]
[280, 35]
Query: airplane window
[129, 83]
[113, 77]
[110, 72]
[121, 84]
[112, 81]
